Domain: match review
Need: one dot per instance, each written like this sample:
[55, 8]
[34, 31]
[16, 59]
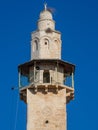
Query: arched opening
[46, 43]
[46, 76]
[36, 45]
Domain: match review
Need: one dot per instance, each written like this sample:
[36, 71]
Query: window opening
[45, 43]
[46, 121]
[46, 77]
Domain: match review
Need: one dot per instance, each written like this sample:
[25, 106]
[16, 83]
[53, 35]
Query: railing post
[56, 69]
[19, 78]
[73, 79]
[34, 70]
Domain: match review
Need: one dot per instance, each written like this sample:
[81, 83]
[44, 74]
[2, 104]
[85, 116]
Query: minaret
[46, 82]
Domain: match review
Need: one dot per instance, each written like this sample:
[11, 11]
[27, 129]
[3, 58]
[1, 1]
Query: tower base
[46, 106]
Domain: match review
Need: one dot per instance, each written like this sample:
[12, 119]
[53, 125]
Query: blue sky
[77, 20]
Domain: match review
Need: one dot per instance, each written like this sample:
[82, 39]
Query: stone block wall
[46, 111]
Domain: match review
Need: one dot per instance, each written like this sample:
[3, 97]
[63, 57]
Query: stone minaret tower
[46, 82]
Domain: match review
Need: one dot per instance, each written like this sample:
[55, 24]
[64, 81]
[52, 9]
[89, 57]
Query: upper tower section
[46, 41]
[45, 20]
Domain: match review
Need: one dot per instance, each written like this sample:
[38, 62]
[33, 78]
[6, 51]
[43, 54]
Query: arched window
[36, 45]
[46, 43]
[46, 76]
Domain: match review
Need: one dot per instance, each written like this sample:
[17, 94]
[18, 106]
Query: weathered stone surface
[46, 41]
[46, 111]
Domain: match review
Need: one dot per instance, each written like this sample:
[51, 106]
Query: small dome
[45, 15]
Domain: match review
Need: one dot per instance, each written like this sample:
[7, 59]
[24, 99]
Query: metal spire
[45, 6]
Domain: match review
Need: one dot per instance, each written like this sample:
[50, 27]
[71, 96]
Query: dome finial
[45, 6]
